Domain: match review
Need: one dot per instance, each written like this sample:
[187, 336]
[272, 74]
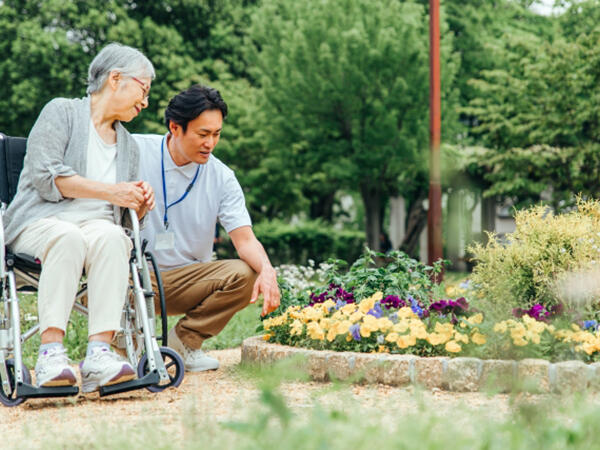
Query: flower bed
[391, 306]
[446, 328]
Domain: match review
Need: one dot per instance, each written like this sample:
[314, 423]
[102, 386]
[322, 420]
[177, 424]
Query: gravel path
[219, 395]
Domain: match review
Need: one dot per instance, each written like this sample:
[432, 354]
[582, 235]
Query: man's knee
[242, 271]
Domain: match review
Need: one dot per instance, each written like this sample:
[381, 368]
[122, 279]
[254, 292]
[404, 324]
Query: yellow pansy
[475, 319]
[453, 347]
[406, 313]
[436, 338]
[406, 341]
[459, 337]
[328, 304]
[366, 305]
[349, 308]
[296, 328]
[478, 338]
[500, 327]
[401, 326]
[418, 330]
[266, 337]
[384, 324]
[312, 313]
[355, 317]
[392, 337]
[315, 331]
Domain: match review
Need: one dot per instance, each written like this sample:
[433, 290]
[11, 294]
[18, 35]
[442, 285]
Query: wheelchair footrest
[147, 380]
[29, 391]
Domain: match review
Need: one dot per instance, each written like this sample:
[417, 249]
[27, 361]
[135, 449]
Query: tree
[539, 118]
[345, 84]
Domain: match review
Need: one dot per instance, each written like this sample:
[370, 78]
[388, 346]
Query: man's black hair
[189, 104]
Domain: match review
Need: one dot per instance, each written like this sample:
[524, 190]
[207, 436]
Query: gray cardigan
[57, 146]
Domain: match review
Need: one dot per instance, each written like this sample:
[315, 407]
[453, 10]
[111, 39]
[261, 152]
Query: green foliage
[297, 243]
[537, 115]
[345, 87]
[394, 273]
[543, 250]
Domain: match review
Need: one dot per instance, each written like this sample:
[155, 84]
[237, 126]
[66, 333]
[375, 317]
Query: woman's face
[130, 97]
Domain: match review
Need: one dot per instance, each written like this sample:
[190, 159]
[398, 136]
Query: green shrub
[544, 249]
[297, 243]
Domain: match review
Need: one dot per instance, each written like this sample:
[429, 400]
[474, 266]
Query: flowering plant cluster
[539, 312]
[529, 332]
[333, 292]
[365, 326]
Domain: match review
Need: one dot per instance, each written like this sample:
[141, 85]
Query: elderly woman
[79, 176]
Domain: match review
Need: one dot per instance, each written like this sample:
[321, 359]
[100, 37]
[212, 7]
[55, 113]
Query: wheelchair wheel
[12, 399]
[173, 364]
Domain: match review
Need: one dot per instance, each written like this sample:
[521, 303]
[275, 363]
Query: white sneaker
[103, 367]
[194, 360]
[52, 369]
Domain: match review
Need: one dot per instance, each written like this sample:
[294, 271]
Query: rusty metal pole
[434, 215]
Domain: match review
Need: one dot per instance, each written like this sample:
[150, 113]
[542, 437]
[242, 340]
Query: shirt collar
[189, 170]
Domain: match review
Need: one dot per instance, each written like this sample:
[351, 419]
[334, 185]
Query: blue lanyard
[164, 185]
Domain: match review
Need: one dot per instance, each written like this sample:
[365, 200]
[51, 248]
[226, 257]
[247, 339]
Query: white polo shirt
[215, 195]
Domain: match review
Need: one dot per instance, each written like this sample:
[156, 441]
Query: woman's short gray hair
[127, 60]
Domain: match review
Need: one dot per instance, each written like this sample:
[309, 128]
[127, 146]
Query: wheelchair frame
[138, 334]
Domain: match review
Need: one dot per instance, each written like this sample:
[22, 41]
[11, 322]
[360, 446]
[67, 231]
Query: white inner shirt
[215, 196]
[101, 166]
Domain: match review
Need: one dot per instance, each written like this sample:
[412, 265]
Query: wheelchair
[158, 367]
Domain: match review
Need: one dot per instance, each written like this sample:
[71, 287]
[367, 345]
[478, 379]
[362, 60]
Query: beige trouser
[209, 294]
[65, 249]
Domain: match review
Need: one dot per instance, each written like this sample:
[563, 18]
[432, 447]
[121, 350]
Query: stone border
[452, 374]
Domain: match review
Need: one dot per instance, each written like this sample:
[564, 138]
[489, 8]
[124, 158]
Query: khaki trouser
[65, 250]
[209, 294]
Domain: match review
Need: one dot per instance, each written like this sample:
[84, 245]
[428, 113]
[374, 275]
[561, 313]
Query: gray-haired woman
[80, 173]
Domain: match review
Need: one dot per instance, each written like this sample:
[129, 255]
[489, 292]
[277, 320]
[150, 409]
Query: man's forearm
[254, 254]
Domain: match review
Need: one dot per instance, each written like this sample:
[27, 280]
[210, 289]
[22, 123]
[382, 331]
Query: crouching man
[194, 190]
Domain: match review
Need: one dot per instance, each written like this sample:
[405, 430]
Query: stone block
[462, 375]
[369, 367]
[571, 376]
[498, 375]
[317, 365]
[429, 372]
[594, 377]
[397, 370]
[533, 375]
[341, 366]
[249, 350]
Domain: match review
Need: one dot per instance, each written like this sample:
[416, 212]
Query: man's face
[198, 141]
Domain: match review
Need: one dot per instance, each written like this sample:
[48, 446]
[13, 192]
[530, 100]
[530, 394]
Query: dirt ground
[222, 395]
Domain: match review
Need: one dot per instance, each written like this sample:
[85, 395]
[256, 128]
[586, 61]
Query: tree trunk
[322, 206]
[488, 217]
[415, 224]
[372, 199]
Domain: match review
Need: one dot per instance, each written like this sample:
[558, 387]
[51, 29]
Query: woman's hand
[148, 204]
[127, 195]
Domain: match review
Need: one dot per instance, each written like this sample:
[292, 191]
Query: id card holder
[165, 241]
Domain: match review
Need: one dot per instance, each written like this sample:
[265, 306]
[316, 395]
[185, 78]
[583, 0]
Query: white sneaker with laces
[103, 367]
[52, 368]
[194, 360]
